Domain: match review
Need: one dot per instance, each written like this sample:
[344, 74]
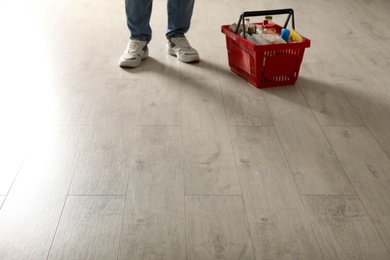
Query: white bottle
[260, 39]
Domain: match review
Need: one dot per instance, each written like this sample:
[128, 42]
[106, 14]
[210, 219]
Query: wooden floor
[188, 161]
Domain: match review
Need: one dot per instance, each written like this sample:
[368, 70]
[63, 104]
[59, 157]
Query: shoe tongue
[135, 41]
[133, 46]
[183, 41]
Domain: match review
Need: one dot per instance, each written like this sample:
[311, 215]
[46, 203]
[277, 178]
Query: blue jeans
[138, 14]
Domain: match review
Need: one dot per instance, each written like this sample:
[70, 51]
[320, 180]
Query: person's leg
[179, 21]
[138, 14]
[179, 17]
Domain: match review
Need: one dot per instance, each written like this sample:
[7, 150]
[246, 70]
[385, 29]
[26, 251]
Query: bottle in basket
[295, 35]
[285, 34]
[269, 34]
[251, 29]
[268, 27]
[269, 19]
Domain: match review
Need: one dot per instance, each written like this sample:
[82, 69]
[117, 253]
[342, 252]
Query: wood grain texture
[102, 168]
[277, 219]
[73, 100]
[368, 168]
[369, 96]
[207, 236]
[315, 168]
[89, 228]
[208, 155]
[154, 221]
[326, 100]
[118, 102]
[161, 102]
[244, 104]
[359, 64]
[29, 217]
[343, 228]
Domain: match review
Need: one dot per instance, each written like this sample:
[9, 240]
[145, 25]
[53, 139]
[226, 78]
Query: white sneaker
[135, 52]
[181, 48]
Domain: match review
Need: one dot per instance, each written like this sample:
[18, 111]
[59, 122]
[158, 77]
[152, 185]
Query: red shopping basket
[265, 65]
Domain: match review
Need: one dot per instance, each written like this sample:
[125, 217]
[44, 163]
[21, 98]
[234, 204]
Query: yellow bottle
[295, 35]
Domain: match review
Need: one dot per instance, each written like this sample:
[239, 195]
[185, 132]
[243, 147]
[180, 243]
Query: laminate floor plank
[13, 151]
[207, 236]
[373, 37]
[207, 152]
[2, 198]
[203, 70]
[73, 100]
[277, 219]
[361, 71]
[118, 102]
[326, 100]
[16, 132]
[370, 98]
[89, 228]
[244, 104]
[343, 228]
[154, 220]
[368, 168]
[95, 47]
[29, 218]
[315, 168]
[102, 168]
[161, 103]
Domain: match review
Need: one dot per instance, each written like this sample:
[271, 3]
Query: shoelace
[183, 42]
[133, 46]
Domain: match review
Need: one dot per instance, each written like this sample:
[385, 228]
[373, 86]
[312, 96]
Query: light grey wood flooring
[188, 161]
[1, 200]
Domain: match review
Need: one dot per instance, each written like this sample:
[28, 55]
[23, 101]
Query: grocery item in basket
[267, 27]
[272, 38]
[269, 19]
[260, 35]
[250, 38]
[251, 28]
[260, 39]
[263, 39]
[285, 34]
[247, 21]
[233, 28]
[295, 36]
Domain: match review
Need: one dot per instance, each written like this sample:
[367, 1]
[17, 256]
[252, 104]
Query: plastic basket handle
[289, 12]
